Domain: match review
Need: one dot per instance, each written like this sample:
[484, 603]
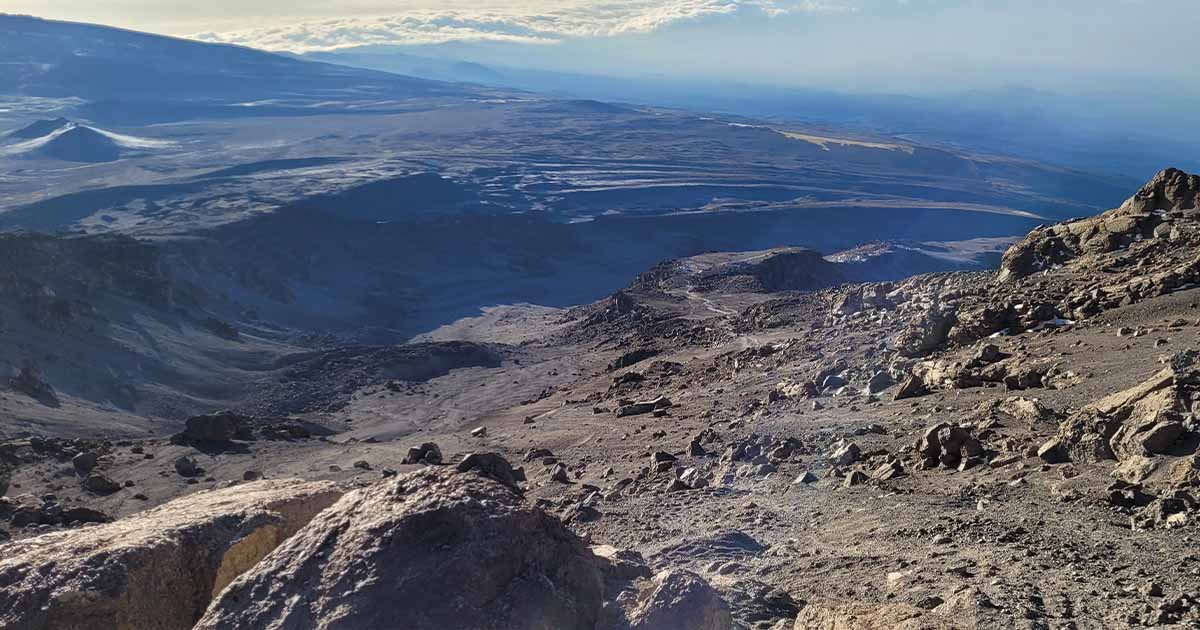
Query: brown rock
[913, 387]
[158, 569]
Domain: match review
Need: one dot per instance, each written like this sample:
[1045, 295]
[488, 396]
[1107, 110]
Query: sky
[865, 45]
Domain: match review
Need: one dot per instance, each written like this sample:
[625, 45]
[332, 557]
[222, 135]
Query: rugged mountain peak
[1163, 208]
[1169, 190]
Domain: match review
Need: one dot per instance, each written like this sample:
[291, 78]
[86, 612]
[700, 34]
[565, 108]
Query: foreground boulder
[157, 570]
[436, 548]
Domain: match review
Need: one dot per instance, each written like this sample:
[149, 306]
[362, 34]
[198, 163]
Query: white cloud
[505, 21]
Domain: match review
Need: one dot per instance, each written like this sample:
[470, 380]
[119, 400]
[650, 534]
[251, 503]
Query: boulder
[186, 467]
[645, 406]
[560, 474]
[100, 484]
[854, 478]
[1052, 452]
[844, 453]
[925, 333]
[491, 465]
[84, 462]
[427, 453]
[848, 303]
[222, 426]
[695, 478]
[947, 445]
[155, 570]
[912, 387]
[84, 515]
[433, 549]
[678, 600]
[833, 381]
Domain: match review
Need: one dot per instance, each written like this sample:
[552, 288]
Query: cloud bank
[517, 22]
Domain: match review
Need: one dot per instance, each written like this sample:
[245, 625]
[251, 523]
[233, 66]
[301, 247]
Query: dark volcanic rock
[222, 426]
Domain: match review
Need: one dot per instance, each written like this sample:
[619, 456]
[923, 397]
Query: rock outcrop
[1145, 420]
[157, 570]
[1171, 191]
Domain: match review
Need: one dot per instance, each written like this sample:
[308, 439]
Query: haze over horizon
[876, 46]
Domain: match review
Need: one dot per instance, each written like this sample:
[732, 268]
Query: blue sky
[868, 45]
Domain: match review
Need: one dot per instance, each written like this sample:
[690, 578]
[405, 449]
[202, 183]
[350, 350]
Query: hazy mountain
[1116, 132]
[65, 59]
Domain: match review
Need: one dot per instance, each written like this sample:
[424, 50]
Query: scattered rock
[100, 484]
[84, 462]
[855, 478]
[186, 467]
[948, 445]
[913, 387]
[427, 453]
[805, 477]
[560, 474]
[844, 453]
[647, 406]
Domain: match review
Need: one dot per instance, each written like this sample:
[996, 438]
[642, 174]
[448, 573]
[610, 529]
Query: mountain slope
[65, 59]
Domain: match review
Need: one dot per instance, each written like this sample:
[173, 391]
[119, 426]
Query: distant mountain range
[1121, 132]
[64, 59]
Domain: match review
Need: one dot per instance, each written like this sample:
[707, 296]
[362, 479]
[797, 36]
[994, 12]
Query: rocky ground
[1009, 449]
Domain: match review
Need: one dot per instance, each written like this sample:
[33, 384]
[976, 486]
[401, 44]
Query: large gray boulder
[157, 570]
[434, 549]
